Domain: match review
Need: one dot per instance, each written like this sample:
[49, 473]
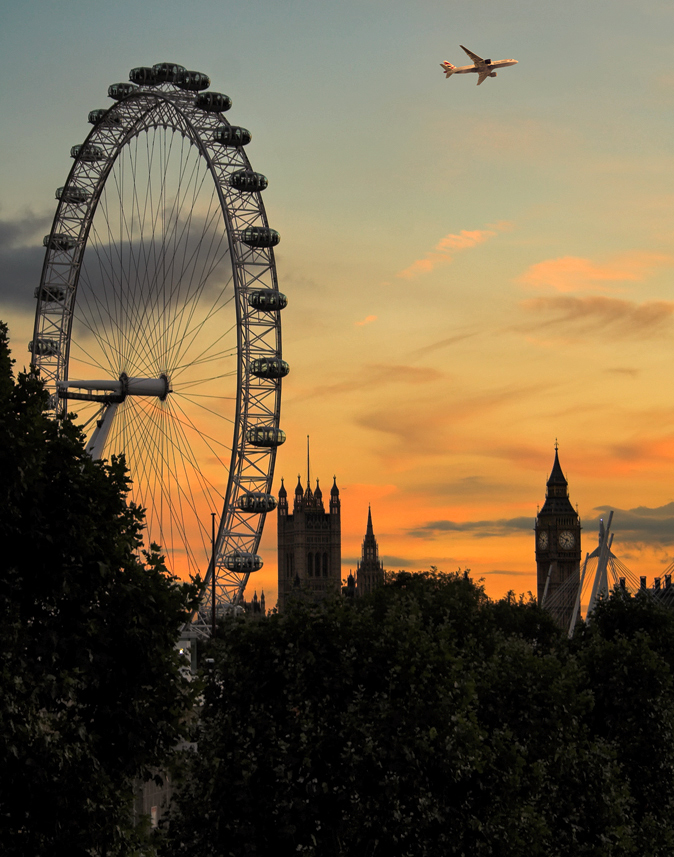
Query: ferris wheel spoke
[196, 293]
[191, 384]
[168, 516]
[204, 438]
[208, 490]
[172, 332]
[150, 460]
[121, 336]
[106, 265]
[194, 332]
[200, 358]
[180, 460]
[203, 407]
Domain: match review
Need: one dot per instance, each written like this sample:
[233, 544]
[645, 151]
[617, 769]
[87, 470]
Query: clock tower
[558, 548]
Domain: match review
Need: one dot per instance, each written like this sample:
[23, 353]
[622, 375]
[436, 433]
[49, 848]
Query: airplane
[483, 68]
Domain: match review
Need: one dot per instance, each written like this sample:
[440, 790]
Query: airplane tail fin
[448, 68]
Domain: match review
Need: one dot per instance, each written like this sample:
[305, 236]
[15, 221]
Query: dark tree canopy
[92, 694]
[429, 720]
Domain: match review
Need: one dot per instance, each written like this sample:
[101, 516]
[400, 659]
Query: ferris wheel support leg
[96, 445]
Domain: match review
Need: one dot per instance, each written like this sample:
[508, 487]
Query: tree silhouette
[92, 694]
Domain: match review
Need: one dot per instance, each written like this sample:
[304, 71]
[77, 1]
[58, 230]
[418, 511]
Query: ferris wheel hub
[115, 391]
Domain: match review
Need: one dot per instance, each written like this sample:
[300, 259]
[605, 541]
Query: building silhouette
[309, 545]
[558, 549]
[370, 570]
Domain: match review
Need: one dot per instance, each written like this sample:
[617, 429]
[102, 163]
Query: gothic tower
[558, 549]
[309, 545]
[370, 571]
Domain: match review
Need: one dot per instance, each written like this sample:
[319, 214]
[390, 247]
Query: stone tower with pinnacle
[370, 571]
[309, 545]
[558, 548]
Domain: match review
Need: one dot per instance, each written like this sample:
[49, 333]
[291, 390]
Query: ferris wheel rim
[238, 532]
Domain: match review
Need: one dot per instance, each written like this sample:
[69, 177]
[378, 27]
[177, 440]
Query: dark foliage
[428, 720]
[92, 694]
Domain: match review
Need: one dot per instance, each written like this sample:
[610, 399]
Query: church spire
[557, 476]
[369, 571]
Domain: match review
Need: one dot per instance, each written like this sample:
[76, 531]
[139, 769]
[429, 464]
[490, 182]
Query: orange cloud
[368, 320]
[628, 318]
[440, 255]
[572, 273]
[373, 376]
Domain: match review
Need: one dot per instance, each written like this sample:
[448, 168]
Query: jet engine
[493, 74]
[487, 62]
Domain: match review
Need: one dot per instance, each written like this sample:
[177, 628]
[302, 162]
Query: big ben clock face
[543, 539]
[566, 540]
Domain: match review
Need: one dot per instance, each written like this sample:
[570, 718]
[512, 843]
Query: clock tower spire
[558, 548]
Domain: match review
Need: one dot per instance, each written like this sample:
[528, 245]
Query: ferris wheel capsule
[256, 501]
[167, 72]
[49, 294]
[87, 152]
[121, 90]
[103, 115]
[269, 367]
[232, 135]
[192, 81]
[260, 236]
[268, 436]
[267, 300]
[243, 563]
[143, 76]
[73, 193]
[44, 347]
[213, 102]
[248, 181]
[59, 241]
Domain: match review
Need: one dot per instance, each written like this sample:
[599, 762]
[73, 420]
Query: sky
[472, 273]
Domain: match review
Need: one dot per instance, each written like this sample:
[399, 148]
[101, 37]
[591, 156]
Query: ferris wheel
[158, 320]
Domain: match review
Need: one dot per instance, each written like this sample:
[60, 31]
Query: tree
[92, 694]
[627, 655]
[424, 719]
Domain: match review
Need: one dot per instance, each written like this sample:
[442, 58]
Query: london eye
[158, 320]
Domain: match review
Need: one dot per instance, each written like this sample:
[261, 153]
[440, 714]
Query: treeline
[91, 695]
[428, 719]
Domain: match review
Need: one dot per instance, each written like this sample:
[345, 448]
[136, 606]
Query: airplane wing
[482, 76]
[475, 58]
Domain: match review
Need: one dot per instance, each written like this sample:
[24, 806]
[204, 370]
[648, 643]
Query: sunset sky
[471, 272]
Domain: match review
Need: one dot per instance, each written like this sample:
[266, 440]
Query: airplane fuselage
[483, 68]
[467, 69]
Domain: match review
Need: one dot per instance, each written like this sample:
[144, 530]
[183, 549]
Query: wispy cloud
[479, 529]
[424, 426]
[573, 273]
[443, 252]
[623, 370]
[367, 320]
[643, 525]
[374, 376]
[625, 317]
[443, 343]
